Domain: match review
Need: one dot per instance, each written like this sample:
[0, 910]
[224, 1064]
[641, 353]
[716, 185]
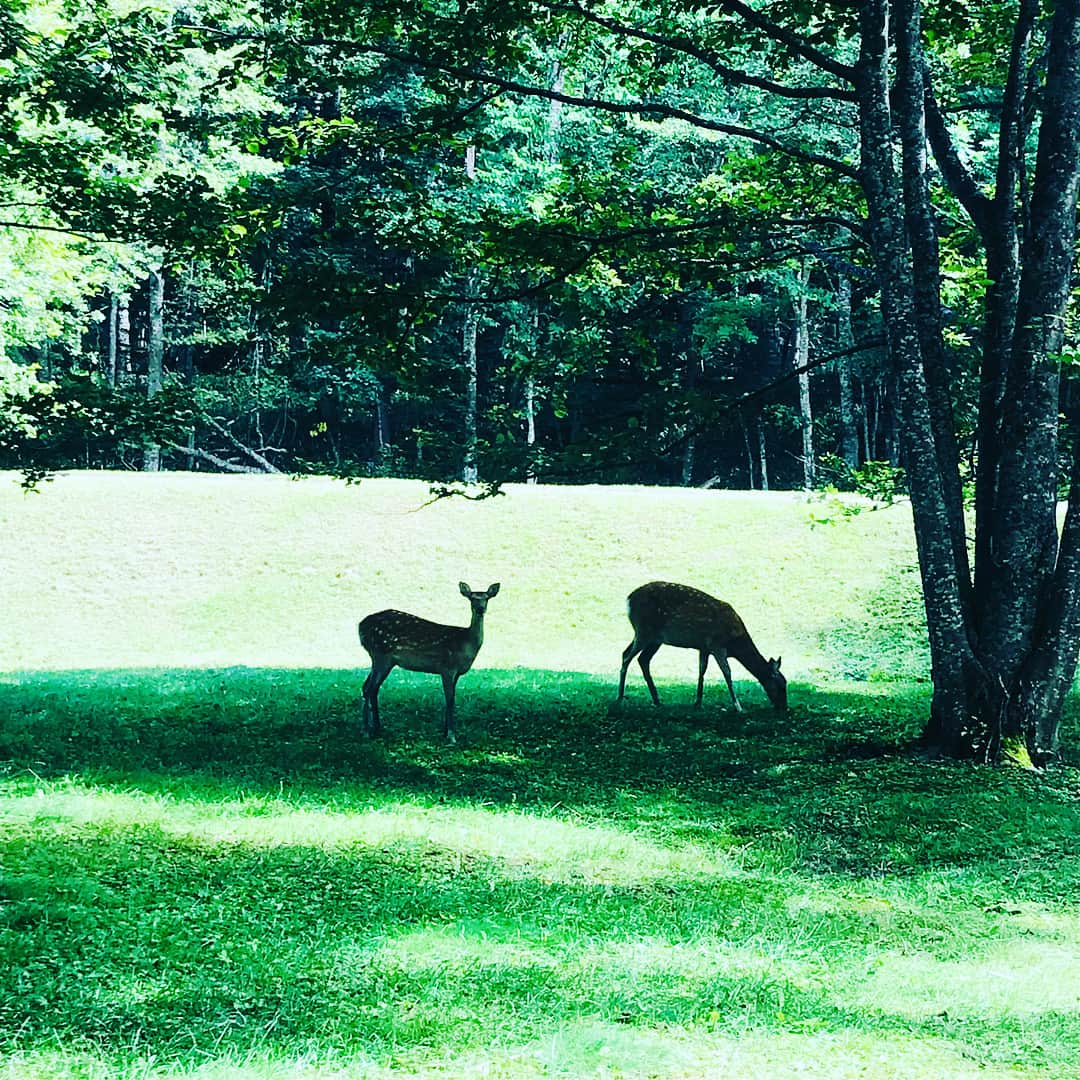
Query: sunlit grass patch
[1008, 977]
[547, 847]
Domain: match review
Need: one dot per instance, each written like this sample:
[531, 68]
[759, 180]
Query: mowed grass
[206, 870]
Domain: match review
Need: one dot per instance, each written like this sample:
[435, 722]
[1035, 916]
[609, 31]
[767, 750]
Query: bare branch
[56, 229]
[221, 429]
[205, 455]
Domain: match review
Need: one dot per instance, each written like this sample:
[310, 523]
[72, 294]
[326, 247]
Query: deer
[398, 639]
[663, 613]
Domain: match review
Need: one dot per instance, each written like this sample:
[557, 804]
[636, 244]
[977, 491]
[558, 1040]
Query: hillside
[129, 570]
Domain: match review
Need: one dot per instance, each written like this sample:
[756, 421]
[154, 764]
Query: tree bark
[1031, 628]
[470, 329]
[155, 357]
[849, 434]
[802, 357]
[951, 654]
[999, 225]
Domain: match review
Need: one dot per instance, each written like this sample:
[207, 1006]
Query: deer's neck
[476, 630]
[746, 652]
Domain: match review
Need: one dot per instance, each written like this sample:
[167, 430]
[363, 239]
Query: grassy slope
[126, 570]
[205, 869]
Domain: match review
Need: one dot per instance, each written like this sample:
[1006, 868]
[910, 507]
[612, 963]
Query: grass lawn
[206, 870]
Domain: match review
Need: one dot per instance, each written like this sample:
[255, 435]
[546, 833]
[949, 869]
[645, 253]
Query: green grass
[206, 870]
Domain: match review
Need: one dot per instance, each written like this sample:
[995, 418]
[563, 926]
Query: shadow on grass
[827, 787]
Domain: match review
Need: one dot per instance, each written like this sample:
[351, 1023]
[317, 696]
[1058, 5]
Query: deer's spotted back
[418, 644]
[682, 616]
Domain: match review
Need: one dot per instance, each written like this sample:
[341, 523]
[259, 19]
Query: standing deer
[398, 639]
[665, 614]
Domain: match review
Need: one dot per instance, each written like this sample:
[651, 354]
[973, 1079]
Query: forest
[327, 258]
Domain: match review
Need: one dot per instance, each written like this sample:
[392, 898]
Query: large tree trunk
[1031, 628]
[1003, 657]
[950, 650]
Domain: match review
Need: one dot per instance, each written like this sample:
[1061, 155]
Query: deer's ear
[492, 590]
[465, 590]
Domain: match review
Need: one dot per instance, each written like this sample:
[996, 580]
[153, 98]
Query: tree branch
[221, 429]
[57, 229]
[205, 455]
[480, 76]
[789, 39]
[708, 57]
[954, 172]
[637, 108]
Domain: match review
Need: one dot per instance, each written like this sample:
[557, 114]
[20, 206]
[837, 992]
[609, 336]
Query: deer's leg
[376, 677]
[643, 660]
[703, 663]
[725, 667]
[629, 653]
[449, 683]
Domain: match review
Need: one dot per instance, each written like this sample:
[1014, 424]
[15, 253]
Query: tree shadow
[831, 786]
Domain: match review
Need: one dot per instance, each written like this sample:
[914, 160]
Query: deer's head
[775, 685]
[478, 600]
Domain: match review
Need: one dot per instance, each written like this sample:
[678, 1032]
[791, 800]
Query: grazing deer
[398, 639]
[665, 614]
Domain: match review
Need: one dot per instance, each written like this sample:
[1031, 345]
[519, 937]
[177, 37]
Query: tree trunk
[1030, 630]
[123, 341]
[382, 421]
[950, 650]
[802, 357]
[110, 362]
[1004, 658]
[155, 358]
[849, 434]
[530, 422]
[690, 441]
[749, 452]
[763, 463]
[469, 471]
